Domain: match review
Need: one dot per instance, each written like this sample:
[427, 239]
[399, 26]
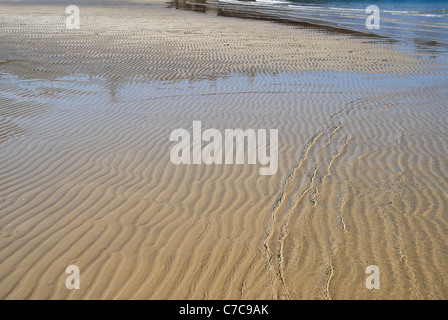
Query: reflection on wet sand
[362, 175]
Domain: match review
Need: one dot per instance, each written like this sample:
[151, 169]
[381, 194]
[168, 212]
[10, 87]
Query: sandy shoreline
[86, 177]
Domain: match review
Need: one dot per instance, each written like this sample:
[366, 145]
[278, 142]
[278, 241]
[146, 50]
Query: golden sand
[86, 178]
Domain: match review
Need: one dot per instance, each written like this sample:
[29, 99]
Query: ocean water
[422, 23]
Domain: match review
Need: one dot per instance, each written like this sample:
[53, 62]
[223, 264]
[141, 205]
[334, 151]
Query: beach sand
[86, 177]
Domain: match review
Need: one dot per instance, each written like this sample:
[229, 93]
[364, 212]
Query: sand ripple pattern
[353, 200]
[86, 179]
[152, 42]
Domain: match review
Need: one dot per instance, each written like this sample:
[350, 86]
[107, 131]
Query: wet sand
[86, 176]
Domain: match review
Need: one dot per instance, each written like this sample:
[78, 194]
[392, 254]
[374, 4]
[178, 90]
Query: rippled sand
[86, 178]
